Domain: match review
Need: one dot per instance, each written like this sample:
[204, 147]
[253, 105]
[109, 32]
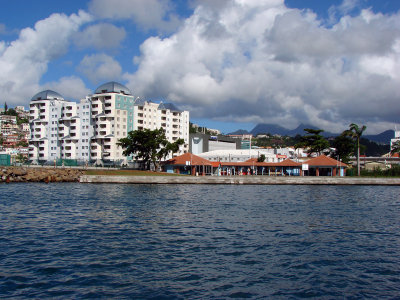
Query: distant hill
[381, 138]
[269, 128]
[277, 129]
[239, 132]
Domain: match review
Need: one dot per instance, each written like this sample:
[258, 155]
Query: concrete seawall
[248, 180]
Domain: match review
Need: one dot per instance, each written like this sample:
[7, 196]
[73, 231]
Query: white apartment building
[90, 130]
[44, 112]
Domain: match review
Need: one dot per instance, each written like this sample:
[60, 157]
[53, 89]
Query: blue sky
[232, 64]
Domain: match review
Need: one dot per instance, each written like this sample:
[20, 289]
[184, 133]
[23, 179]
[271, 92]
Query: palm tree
[356, 132]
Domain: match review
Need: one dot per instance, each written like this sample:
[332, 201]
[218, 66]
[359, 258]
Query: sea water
[71, 240]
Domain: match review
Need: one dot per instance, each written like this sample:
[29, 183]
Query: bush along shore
[22, 174]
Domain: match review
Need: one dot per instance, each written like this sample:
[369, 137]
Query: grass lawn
[128, 173]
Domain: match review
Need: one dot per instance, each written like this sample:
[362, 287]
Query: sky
[232, 64]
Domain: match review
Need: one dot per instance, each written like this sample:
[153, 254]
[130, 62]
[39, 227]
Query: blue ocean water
[71, 240]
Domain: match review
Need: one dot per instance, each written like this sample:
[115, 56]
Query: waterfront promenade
[245, 180]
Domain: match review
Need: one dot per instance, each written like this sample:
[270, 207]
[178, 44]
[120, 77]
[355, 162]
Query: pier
[247, 180]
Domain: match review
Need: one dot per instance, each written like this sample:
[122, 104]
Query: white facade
[90, 130]
[6, 119]
[239, 155]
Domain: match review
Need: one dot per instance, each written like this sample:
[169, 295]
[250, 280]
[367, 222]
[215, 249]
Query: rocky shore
[32, 174]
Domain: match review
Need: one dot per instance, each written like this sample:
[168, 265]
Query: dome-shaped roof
[112, 87]
[47, 95]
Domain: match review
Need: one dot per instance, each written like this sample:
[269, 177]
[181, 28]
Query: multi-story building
[7, 128]
[6, 119]
[44, 112]
[90, 130]
[22, 113]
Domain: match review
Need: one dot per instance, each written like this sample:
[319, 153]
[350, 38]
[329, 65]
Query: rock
[19, 171]
[20, 174]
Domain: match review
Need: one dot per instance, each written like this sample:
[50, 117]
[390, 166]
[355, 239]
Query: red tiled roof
[324, 161]
[288, 163]
[251, 160]
[248, 164]
[215, 164]
[194, 160]
[321, 161]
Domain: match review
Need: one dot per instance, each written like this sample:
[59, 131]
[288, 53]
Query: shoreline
[239, 180]
[48, 175]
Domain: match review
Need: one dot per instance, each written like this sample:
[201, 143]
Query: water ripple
[195, 242]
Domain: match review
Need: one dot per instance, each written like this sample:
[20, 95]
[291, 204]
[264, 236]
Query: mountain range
[262, 128]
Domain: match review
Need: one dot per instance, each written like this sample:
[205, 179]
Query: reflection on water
[198, 241]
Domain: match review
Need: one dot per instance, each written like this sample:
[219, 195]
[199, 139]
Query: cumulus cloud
[25, 60]
[100, 36]
[71, 88]
[100, 67]
[149, 14]
[263, 62]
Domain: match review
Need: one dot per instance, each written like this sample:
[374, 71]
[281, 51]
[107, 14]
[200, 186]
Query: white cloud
[149, 14]
[347, 6]
[100, 67]
[258, 60]
[100, 36]
[71, 88]
[25, 60]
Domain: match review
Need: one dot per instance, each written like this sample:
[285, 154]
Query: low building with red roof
[189, 164]
[192, 164]
[325, 166]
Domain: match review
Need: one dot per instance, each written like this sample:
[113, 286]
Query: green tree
[148, 145]
[314, 141]
[395, 148]
[192, 129]
[11, 112]
[21, 158]
[356, 132]
[169, 148]
[22, 144]
[344, 147]
[22, 121]
[261, 158]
